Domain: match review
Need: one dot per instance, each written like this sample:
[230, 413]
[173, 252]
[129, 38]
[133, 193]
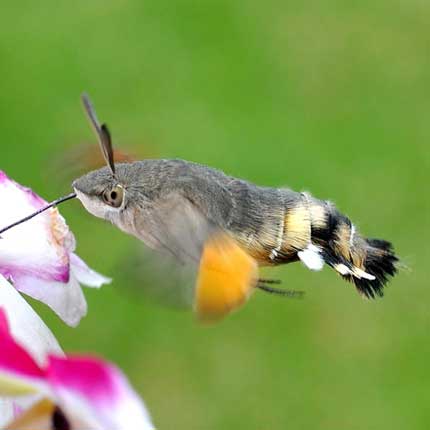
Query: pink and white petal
[7, 411]
[26, 326]
[90, 389]
[38, 415]
[85, 275]
[65, 299]
[12, 410]
[39, 247]
[20, 375]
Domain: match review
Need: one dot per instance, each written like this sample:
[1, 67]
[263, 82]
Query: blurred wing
[178, 228]
[224, 275]
[159, 277]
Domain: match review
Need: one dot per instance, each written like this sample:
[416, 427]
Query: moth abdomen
[368, 263]
[285, 226]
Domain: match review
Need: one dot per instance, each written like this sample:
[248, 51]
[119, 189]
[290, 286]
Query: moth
[225, 228]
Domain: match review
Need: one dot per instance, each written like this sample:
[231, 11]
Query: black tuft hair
[381, 263]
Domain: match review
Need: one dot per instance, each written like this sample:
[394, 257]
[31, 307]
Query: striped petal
[18, 320]
[95, 391]
[87, 392]
[26, 326]
[20, 375]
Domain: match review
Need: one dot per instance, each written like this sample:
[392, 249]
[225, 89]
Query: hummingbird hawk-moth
[225, 227]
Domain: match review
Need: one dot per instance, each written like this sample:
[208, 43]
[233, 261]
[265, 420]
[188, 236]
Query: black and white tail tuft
[381, 263]
[368, 263]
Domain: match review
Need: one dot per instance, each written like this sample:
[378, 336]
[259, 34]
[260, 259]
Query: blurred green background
[330, 97]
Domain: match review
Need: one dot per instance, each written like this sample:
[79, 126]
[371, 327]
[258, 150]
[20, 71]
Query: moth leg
[269, 281]
[265, 285]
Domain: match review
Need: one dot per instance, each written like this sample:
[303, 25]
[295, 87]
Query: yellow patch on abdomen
[318, 216]
[297, 235]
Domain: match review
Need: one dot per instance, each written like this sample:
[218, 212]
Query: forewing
[180, 228]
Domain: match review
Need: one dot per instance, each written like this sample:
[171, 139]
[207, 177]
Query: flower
[74, 392]
[38, 255]
[30, 331]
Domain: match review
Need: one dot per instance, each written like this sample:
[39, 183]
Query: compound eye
[114, 196]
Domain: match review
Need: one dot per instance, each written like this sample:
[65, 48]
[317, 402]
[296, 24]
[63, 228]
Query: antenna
[102, 131]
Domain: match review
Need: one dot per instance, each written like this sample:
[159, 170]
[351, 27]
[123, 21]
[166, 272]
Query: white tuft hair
[311, 257]
[342, 269]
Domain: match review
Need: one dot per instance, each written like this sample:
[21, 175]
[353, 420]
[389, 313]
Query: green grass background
[330, 97]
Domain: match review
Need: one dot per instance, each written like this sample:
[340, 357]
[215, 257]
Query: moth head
[100, 193]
